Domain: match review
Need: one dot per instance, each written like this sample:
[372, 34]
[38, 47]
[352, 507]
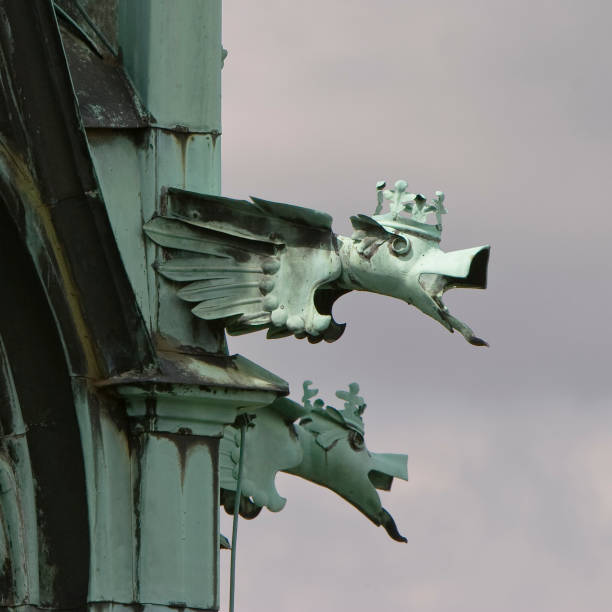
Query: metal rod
[243, 426]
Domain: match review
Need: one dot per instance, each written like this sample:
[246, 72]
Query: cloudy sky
[505, 106]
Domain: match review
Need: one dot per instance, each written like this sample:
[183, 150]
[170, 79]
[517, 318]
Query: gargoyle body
[261, 264]
[326, 447]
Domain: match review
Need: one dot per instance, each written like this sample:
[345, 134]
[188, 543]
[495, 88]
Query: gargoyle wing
[253, 264]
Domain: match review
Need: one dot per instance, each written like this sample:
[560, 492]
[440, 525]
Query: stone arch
[45, 518]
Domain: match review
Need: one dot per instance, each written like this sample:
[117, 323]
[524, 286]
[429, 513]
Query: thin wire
[243, 426]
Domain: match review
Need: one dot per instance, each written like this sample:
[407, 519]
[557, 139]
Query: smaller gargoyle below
[326, 447]
[264, 265]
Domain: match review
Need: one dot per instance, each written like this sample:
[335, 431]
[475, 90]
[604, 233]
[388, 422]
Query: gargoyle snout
[438, 272]
[465, 268]
[478, 260]
[385, 467]
[478, 269]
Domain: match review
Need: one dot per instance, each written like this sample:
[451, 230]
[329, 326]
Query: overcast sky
[505, 106]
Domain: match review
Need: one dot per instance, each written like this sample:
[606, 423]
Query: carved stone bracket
[166, 550]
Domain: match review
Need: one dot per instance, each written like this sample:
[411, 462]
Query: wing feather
[227, 278]
[208, 290]
[256, 318]
[260, 220]
[175, 234]
[185, 269]
[227, 258]
[220, 308]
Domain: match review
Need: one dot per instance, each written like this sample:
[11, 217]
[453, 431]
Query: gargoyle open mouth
[435, 285]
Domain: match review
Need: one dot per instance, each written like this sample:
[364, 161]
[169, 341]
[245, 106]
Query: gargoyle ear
[363, 223]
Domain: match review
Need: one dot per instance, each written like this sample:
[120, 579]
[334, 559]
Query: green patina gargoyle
[261, 264]
[327, 447]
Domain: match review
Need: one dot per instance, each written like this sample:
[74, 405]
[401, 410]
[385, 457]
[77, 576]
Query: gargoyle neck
[346, 252]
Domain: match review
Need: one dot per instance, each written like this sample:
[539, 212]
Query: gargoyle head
[336, 457]
[327, 447]
[398, 255]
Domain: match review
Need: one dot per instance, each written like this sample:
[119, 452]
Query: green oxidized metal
[326, 446]
[127, 267]
[276, 266]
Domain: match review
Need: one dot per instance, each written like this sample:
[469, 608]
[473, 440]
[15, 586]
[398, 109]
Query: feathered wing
[223, 276]
[252, 265]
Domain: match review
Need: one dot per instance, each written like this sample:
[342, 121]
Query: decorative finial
[379, 196]
[354, 404]
[440, 210]
[308, 394]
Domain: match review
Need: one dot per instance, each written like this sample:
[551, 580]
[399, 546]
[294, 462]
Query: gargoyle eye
[401, 245]
[356, 440]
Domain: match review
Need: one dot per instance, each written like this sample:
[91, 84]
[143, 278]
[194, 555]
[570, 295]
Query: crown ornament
[403, 203]
[350, 417]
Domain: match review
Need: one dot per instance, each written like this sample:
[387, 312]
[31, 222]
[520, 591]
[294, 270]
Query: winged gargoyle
[262, 264]
[327, 447]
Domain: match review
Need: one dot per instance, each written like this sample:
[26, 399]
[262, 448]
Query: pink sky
[505, 106]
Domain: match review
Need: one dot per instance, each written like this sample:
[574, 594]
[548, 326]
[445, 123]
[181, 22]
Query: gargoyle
[326, 447]
[262, 264]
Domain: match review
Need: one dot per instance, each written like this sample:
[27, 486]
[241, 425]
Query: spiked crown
[409, 211]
